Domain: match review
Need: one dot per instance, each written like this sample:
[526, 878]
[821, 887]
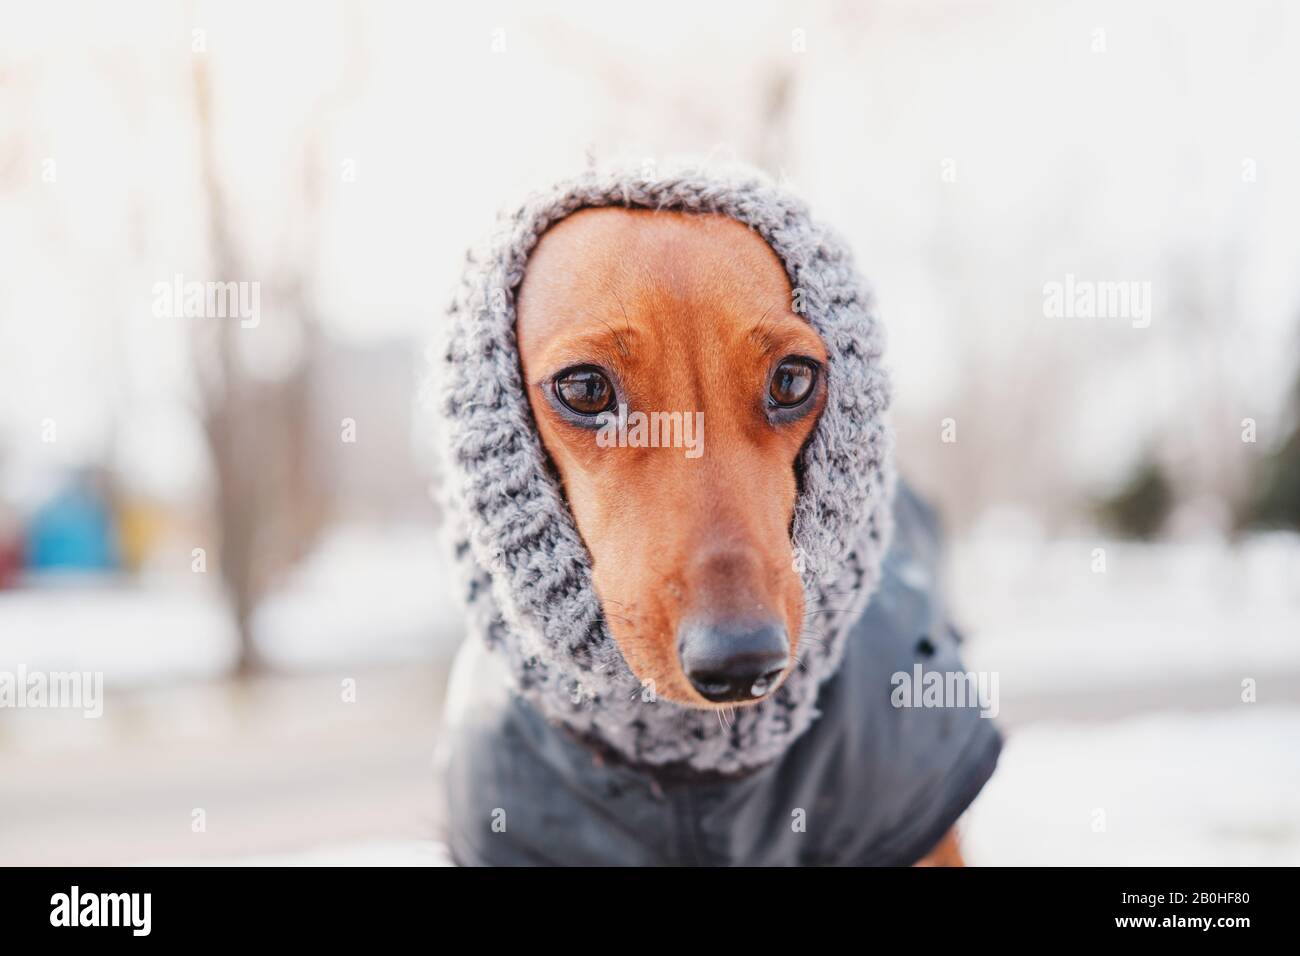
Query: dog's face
[686, 515]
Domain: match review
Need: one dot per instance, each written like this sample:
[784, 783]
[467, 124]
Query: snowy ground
[366, 594]
[1218, 789]
[1121, 691]
[1221, 788]
[1178, 614]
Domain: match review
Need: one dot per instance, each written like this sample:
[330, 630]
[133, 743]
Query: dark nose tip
[732, 660]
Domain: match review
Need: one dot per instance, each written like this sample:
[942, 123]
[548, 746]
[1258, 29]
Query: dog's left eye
[585, 390]
[792, 382]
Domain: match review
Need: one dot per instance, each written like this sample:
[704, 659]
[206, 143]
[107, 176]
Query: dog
[680, 316]
[693, 560]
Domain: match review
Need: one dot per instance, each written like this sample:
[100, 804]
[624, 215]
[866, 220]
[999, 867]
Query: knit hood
[529, 575]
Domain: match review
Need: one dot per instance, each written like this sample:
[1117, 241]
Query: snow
[1217, 789]
[366, 593]
[366, 853]
[1159, 614]
[133, 633]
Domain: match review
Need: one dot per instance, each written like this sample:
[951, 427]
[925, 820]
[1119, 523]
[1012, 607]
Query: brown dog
[676, 313]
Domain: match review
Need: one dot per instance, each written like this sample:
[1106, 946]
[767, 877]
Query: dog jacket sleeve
[885, 770]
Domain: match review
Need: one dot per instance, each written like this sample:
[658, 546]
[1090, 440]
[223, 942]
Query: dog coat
[546, 712]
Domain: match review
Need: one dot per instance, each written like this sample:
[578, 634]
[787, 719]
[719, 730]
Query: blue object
[74, 531]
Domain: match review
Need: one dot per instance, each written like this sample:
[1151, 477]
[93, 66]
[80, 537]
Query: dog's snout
[729, 660]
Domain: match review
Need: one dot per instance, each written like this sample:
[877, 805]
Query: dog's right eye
[585, 391]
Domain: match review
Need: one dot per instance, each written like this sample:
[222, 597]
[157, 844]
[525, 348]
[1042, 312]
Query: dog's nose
[733, 660]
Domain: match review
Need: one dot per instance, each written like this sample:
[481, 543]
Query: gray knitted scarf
[529, 587]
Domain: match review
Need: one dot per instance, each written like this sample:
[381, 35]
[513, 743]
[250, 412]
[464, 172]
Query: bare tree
[268, 505]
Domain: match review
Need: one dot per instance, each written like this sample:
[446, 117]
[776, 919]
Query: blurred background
[232, 520]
